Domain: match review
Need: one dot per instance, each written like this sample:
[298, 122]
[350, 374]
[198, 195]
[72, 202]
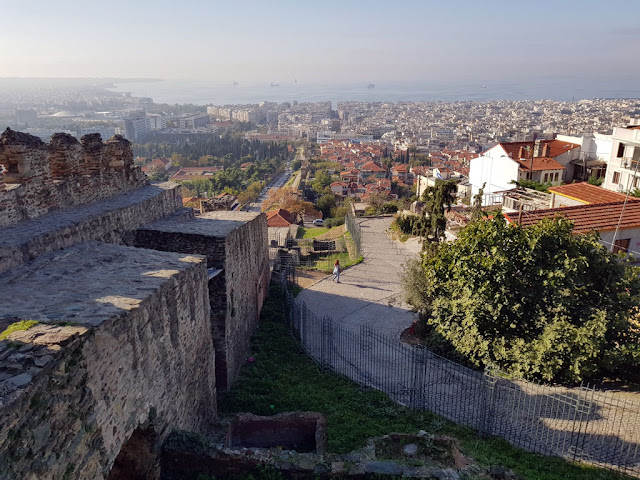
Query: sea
[200, 92]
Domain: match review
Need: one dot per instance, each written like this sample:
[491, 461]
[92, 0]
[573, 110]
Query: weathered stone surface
[62, 174]
[123, 351]
[107, 220]
[236, 244]
[410, 449]
[21, 380]
[188, 455]
[139, 352]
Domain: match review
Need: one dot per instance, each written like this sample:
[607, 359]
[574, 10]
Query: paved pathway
[370, 292]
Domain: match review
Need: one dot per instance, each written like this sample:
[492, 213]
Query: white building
[544, 161]
[623, 172]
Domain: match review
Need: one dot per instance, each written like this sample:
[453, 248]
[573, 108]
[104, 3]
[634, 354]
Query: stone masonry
[134, 339]
[235, 244]
[38, 178]
[123, 349]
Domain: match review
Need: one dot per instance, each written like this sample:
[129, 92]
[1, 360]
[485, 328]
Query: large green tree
[538, 302]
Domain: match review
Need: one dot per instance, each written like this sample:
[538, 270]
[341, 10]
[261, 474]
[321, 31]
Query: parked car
[318, 222]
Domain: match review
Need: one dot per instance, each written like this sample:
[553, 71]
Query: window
[621, 245]
[620, 150]
[634, 184]
[556, 176]
[616, 177]
[546, 178]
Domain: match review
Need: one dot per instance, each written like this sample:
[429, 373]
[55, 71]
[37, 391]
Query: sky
[329, 41]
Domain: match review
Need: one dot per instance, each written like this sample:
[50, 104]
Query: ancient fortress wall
[247, 276]
[108, 220]
[38, 178]
[235, 245]
[127, 339]
[138, 353]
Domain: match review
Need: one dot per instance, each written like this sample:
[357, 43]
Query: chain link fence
[582, 424]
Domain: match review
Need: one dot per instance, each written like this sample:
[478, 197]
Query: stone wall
[108, 220]
[37, 178]
[138, 357]
[247, 276]
[236, 244]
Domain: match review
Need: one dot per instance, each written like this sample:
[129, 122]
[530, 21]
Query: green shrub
[410, 224]
[334, 222]
[538, 302]
[389, 208]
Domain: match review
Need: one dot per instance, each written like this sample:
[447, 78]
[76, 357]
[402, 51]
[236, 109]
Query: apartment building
[623, 172]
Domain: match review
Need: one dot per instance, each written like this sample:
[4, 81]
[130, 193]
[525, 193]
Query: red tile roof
[600, 217]
[589, 194]
[402, 168]
[553, 148]
[539, 164]
[279, 218]
[372, 167]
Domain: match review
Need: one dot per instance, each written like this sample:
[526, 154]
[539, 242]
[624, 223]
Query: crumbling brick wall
[38, 178]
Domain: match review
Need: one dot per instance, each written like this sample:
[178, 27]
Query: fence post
[490, 380]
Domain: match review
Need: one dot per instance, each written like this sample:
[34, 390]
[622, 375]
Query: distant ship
[275, 84]
[484, 86]
[371, 85]
[236, 83]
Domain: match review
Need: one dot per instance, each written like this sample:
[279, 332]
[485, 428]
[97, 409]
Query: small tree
[476, 209]
[437, 198]
[325, 203]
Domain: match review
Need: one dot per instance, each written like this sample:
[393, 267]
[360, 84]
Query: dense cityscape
[316, 241]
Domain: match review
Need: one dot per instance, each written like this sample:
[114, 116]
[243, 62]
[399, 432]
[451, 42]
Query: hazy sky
[324, 41]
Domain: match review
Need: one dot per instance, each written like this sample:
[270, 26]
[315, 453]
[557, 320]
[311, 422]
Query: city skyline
[334, 42]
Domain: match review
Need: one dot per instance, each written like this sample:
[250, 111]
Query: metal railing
[582, 424]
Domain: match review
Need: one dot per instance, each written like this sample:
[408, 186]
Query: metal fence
[582, 424]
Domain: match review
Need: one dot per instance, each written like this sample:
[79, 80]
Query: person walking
[336, 271]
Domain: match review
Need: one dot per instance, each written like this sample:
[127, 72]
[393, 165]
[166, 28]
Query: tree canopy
[538, 302]
[287, 199]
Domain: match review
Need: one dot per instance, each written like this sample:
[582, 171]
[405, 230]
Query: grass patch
[285, 377]
[14, 327]
[326, 264]
[311, 232]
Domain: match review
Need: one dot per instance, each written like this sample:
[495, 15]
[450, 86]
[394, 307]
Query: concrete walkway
[370, 292]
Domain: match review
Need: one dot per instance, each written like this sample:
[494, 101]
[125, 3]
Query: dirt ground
[332, 234]
[306, 278]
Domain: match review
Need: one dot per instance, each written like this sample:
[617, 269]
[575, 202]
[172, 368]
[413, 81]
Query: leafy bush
[593, 180]
[537, 302]
[532, 184]
[410, 224]
[334, 222]
[388, 208]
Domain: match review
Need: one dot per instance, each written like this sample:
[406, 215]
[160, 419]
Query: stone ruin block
[65, 155]
[23, 157]
[302, 432]
[92, 147]
[118, 155]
